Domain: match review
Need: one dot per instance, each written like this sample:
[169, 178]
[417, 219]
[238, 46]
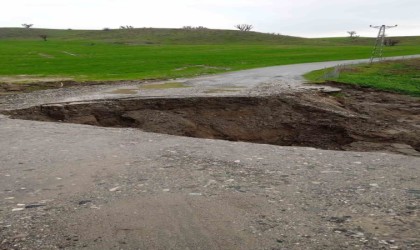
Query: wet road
[285, 78]
[253, 82]
[68, 186]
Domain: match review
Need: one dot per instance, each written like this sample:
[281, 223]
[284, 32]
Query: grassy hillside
[184, 37]
[152, 36]
[166, 53]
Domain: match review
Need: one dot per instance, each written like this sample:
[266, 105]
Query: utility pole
[380, 41]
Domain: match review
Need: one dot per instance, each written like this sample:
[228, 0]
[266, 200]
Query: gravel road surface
[84, 187]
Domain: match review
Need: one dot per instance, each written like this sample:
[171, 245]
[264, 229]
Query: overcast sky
[308, 18]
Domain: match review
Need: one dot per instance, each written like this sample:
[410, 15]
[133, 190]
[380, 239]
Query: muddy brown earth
[144, 172]
[352, 119]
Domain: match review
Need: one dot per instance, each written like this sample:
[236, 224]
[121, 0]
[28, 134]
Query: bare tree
[244, 27]
[44, 37]
[27, 25]
[126, 27]
[352, 34]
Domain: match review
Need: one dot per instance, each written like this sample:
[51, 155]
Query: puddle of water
[230, 87]
[167, 85]
[132, 91]
[221, 90]
[124, 91]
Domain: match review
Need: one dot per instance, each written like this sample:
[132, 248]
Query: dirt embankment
[355, 119]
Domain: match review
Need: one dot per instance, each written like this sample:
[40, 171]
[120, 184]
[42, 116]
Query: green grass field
[398, 76]
[165, 53]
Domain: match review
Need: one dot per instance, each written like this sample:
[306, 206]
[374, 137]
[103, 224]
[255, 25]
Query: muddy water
[124, 91]
[156, 86]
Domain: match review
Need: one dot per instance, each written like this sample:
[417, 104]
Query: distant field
[401, 76]
[164, 53]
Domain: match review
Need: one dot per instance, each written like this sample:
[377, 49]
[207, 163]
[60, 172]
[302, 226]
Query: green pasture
[166, 53]
[401, 76]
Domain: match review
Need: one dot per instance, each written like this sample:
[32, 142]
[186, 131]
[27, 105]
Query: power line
[380, 41]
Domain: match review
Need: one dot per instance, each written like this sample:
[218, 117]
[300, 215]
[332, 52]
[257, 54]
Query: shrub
[391, 42]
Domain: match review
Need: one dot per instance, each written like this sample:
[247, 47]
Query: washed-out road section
[78, 186]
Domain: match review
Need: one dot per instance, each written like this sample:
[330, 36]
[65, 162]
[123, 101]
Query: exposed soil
[14, 88]
[354, 119]
[64, 186]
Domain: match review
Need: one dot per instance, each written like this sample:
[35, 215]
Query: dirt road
[253, 82]
[77, 186]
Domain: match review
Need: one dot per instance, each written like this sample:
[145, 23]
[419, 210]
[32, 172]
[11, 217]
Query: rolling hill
[183, 36]
[123, 54]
